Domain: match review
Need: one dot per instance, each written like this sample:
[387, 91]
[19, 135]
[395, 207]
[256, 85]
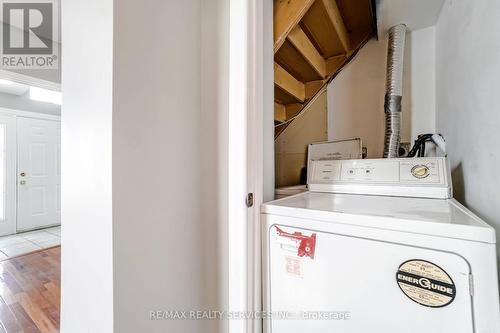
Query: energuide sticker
[426, 283]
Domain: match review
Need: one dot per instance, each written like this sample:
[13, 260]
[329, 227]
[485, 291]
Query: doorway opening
[30, 203]
[314, 42]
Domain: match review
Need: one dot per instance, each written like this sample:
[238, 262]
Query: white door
[38, 173]
[354, 285]
[7, 175]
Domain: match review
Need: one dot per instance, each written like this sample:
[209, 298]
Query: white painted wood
[39, 173]
[246, 167]
[257, 98]
[7, 174]
[87, 187]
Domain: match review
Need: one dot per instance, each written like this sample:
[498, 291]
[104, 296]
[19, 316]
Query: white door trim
[246, 160]
[10, 175]
[255, 163]
[29, 114]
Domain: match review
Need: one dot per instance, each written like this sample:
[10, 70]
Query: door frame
[239, 216]
[10, 199]
[258, 72]
[248, 107]
[28, 114]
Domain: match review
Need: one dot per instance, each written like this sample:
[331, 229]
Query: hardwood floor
[30, 292]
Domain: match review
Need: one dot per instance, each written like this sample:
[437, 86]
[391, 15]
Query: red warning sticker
[306, 244]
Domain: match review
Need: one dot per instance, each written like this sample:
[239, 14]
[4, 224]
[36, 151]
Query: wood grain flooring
[30, 292]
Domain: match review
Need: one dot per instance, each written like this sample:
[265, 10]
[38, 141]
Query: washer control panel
[381, 176]
[420, 171]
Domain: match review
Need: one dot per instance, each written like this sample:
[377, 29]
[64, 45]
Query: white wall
[165, 244]
[145, 164]
[87, 268]
[423, 81]
[213, 154]
[356, 99]
[468, 101]
[356, 96]
[292, 144]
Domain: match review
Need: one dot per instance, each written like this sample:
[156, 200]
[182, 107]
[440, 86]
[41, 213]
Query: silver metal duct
[394, 90]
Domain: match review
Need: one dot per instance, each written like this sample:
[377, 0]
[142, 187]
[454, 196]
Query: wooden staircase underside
[313, 40]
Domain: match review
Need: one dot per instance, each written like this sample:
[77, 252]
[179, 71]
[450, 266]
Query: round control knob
[420, 171]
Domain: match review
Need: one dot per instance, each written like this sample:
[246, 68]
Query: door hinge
[471, 285]
[249, 200]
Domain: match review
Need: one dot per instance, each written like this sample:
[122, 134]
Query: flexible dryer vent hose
[394, 90]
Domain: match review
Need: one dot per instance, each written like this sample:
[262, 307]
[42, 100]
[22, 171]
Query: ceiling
[13, 88]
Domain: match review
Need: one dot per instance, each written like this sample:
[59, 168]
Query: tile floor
[22, 243]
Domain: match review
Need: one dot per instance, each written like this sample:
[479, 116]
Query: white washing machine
[378, 246]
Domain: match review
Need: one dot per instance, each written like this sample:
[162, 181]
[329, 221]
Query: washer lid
[436, 217]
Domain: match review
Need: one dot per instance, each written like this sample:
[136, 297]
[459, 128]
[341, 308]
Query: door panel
[38, 173]
[7, 175]
[57, 157]
[359, 277]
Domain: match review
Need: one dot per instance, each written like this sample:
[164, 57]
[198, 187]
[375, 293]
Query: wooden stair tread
[312, 41]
